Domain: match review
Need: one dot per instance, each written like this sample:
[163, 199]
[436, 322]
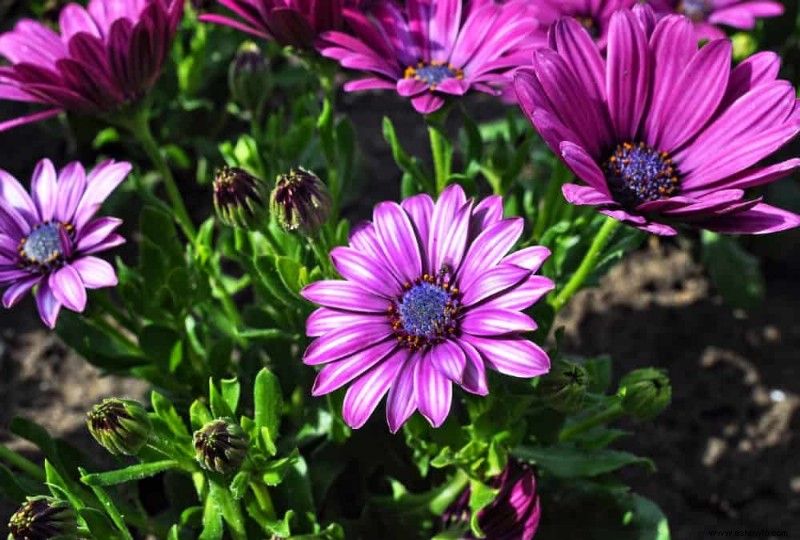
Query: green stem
[604, 417]
[321, 253]
[440, 149]
[557, 178]
[588, 263]
[264, 500]
[449, 493]
[327, 81]
[25, 465]
[140, 128]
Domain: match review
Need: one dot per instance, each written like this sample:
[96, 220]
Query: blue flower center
[42, 247]
[433, 73]
[637, 173]
[425, 313]
[696, 10]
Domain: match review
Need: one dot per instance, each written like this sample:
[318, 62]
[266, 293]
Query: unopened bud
[121, 426]
[564, 388]
[645, 393]
[300, 201]
[240, 199]
[42, 518]
[221, 446]
[249, 78]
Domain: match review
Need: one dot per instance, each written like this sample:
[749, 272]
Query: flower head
[594, 15]
[249, 78]
[662, 133]
[42, 518]
[564, 388]
[105, 56]
[645, 392]
[435, 48]
[121, 426]
[221, 446]
[514, 513]
[707, 15]
[429, 298]
[50, 239]
[240, 198]
[295, 23]
[300, 201]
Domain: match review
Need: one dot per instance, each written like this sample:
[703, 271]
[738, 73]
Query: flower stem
[609, 415]
[140, 128]
[264, 500]
[588, 264]
[441, 149]
[28, 467]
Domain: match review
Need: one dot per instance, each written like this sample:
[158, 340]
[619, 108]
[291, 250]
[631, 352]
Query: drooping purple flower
[707, 15]
[430, 298]
[295, 23]
[594, 15]
[105, 56]
[515, 512]
[50, 239]
[435, 48]
[660, 132]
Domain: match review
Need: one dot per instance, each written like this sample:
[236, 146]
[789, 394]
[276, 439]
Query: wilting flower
[708, 14]
[435, 48]
[295, 23]
[221, 446]
[42, 518]
[660, 132]
[50, 239]
[594, 15]
[240, 199]
[121, 426]
[515, 512]
[105, 57]
[429, 299]
[300, 201]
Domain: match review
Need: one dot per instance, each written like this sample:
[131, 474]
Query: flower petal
[344, 295]
[514, 357]
[367, 272]
[449, 359]
[434, 392]
[18, 290]
[398, 239]
[44, 189]
[364, 395]
[68, 288]
[346, 341]
[95, 273]
[493, 321]
[49, 307]
[402, 400]
[337, 374]
[494, 281]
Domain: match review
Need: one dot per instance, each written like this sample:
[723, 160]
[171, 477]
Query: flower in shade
[42, 518]
[430, 299]
[50, 239]
[708, 14]
[105, 56]
[515, 511]
[662, 133]
[300, 201]
[221, 446]
[295, 23]
[435, 48]
[594, 15]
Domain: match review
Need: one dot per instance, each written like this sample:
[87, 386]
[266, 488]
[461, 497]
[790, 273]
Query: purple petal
[628, 74]
[337, 374]
[514, 357]
[449, 359]
[474, 380]
[489, 248]
[325, 320]
[365, 271]
[95, 273]
[44, 189]
[344, 295]
[450, 202]
[346, 341]
[493, 321]
[99, 184]
[585, 195]
[68, 288]
[582, 164]
[12, 192]
[761, 219]
[49, 307]
[420, 210]
[398, 239]
[530, 258]
[71, 187]
[402, 400]
[364, 395]
[18, 290]
[96, 232]
[434, 392]
[493, 282]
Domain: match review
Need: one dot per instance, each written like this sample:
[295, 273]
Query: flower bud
[41, 518]
[249, 78]
[221, 446]
[121, 426]
[300, 201]
[240, 198]
[645, 393]
[564, 388]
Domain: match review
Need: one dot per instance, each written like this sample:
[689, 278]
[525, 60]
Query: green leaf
[480, 496]
[266, 266]
[129, 474]
[231, 390]
[93, 343]
[406, 163]
[199, 415]
[109, 507]
[166, 411]
[268, 402]
[572, 462]
[289, 271]
[98, 524]
[231, 512]
[159, 344]
[735, 273]
[239, 484]
[219, 407]
[212, 521]
[10, 485]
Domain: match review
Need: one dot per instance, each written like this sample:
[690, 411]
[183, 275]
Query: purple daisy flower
[515, 512]
[435, 48]
[429, 299]
[295, 23]
[594, 15]
[49, 239]
[708, 14]
[663, 133]
[106, 56]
